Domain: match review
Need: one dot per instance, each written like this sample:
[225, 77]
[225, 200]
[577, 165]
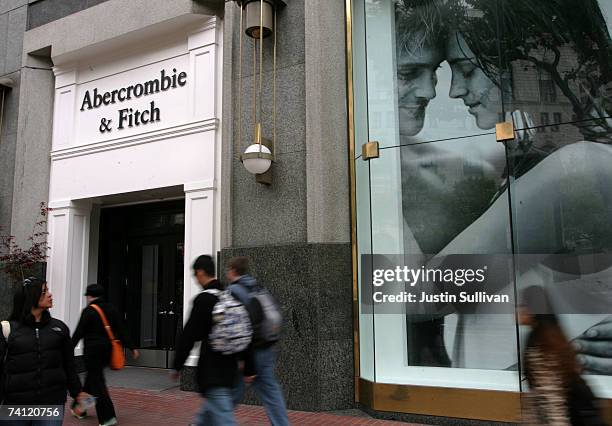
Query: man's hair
[240, 265]
[419, 23]
[205, 263]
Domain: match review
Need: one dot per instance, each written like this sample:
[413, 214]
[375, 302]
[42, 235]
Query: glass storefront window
[432, 79]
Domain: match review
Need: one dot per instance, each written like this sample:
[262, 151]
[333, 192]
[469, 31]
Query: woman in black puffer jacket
[37, 359]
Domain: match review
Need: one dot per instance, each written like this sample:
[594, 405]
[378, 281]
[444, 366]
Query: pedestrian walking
[557, 394]
[222, 324]
[97, 350]
[266, 319]
[36, 356]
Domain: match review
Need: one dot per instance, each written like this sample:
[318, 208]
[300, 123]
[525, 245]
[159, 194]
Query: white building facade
[135, 123]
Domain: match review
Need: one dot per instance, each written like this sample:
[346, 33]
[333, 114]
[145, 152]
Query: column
[68, 239]
[200, 239]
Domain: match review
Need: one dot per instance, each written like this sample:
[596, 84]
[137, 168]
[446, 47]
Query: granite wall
[13, 19]
[297, 230]
[42, 12]
[316, 352]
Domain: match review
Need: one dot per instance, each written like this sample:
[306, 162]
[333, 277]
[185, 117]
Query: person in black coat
[37, 358]
[217, 374]
[97, 350]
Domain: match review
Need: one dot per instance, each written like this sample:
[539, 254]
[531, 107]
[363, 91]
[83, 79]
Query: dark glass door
[141, 265]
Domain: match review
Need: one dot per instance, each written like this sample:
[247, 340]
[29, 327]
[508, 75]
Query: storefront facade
[137, 146]
[429, 83]
[131, 127]
[119, 134]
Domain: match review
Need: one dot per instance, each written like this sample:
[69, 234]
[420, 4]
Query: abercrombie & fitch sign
[130, 117]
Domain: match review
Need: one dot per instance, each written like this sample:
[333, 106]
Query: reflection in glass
[148, 301]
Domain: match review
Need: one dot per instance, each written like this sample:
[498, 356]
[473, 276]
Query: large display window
[431, 79]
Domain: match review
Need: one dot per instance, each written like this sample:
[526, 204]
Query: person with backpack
[92, 328]
[36, 357]
[266, 319]
[222, 324]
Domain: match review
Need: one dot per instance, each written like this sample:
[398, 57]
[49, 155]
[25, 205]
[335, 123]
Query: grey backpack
[264, 307]
[264, 311]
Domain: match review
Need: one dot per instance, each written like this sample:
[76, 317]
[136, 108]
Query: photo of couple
[544, 199]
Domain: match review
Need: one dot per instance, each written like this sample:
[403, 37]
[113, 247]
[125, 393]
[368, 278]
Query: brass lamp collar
[251, 155]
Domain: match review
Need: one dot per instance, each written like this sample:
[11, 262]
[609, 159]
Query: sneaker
[110, 422]
[78, 414]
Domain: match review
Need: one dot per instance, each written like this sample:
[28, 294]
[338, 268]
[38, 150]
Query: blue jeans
[267, 388]
[218, 409]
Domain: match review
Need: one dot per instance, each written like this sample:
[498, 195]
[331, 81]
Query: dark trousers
[96, 359]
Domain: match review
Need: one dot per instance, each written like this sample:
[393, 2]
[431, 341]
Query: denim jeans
[218, 409]
[32, 422]
[267, 388]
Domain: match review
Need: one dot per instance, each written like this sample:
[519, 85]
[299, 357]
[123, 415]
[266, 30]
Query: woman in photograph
[560, 195]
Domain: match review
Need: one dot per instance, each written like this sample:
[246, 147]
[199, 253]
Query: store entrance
[141, 266]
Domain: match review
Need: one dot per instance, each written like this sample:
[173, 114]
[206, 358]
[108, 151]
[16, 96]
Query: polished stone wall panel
[312, 282]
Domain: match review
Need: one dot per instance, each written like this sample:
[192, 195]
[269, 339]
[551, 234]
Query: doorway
[141, 258]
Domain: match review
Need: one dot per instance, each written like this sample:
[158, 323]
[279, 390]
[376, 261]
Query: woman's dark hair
[502, 32]
[27, 298]
[546, 335]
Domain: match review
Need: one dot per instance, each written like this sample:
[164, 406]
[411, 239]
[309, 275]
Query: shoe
[78, 414]
[110, 422]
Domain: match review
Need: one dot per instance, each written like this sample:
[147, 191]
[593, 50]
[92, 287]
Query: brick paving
[175, 407]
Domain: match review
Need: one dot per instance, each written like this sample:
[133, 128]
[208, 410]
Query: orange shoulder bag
[117, 361]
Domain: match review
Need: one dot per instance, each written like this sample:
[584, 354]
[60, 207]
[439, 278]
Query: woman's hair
[546, 335]
[540, 32]
[27, 298]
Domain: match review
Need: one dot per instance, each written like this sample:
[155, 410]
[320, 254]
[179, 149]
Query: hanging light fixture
[259, 14]
[260, 23]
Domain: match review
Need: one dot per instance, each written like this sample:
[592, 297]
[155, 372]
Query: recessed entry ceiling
[150, 195]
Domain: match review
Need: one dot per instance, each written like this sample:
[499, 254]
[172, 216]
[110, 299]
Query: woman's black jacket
[91, 328]
[37, 363]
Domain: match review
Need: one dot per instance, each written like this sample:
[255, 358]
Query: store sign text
[129, 117]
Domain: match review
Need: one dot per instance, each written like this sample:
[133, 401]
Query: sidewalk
[175, 407]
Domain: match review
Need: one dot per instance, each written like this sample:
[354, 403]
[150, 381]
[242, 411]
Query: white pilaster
[202, 45]
[64, 108]
[200, 239]
[68, 258]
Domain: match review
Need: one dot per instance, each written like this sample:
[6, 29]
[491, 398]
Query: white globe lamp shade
[257, 159]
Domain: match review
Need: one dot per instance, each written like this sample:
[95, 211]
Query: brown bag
[117, 361]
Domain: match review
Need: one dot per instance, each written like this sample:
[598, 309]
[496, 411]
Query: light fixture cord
[261, 7]
[254, 89]
[274, 95]
[240, 80]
